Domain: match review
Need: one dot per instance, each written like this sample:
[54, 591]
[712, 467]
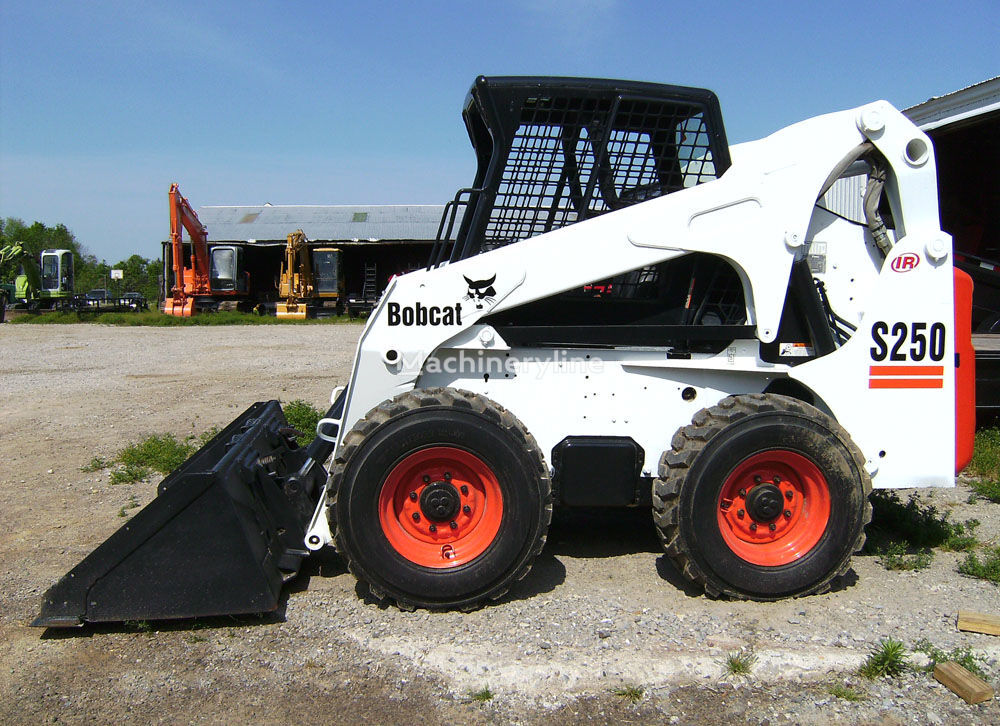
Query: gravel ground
[602, 609]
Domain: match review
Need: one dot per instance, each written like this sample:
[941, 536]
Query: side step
[220, 538]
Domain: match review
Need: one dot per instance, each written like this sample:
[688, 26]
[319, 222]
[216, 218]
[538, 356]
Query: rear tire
[762, 497]
[442, 500]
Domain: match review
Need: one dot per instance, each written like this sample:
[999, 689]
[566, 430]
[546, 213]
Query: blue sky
[104, 104]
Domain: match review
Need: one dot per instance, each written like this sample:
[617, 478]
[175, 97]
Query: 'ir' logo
[905, 262]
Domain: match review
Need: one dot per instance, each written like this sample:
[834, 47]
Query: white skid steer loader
[622, 311]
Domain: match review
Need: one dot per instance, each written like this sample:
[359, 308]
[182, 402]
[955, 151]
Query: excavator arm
[296, 277]
[182, 217]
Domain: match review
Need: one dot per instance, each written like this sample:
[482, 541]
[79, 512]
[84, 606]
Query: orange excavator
[212, 278]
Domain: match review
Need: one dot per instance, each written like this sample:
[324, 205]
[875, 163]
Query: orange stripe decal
[906, 370]
[906, 383]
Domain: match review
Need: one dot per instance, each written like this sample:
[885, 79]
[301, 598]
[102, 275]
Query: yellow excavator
[309, 277]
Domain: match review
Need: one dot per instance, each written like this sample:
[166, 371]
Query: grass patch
[886, 660]
[985, 465]
[894, 556]
[96, 464]
[985, 489]
[740, 663]
[963, 656]
[986, 454]
[845, 693]
[131, 504]
[160, 453]
[195, 638]
[902, 535]
[303, 417]
[632, 694]
[129, 474]
[962, 537]
[483, 695]
[987, 568]
[158, 319]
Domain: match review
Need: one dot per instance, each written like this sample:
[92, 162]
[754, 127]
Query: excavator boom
[296, 277]
[187, 281]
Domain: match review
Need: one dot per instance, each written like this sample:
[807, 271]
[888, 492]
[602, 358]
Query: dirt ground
[602, 611]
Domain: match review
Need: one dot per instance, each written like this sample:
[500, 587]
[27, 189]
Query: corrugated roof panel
[271, 223]
[975, 100]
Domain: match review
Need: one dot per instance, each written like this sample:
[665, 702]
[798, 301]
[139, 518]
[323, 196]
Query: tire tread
[453, 398]
[688, 443]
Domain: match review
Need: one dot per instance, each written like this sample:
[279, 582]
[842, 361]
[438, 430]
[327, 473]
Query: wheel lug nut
[466, 509]
[426, 479]
[725, 505]
[743, 492]
[413, 496]
[433, 528]
[740, 514]
[777, 480]
[757, 479]
[788, 514]
[789, 495]
[447, 476]
[465, 489]
[454, 525]
[772, 526]
[416, 516]
[753, 527]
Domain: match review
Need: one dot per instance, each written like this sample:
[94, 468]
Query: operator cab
[226, 271]
[326, 270]
[57, 271]
[555, 151]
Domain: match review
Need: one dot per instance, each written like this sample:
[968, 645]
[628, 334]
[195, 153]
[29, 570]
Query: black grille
[555, 151]
[572, 159]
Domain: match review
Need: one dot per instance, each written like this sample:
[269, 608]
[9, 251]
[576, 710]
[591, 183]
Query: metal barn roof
[365, 223]
[965, 103]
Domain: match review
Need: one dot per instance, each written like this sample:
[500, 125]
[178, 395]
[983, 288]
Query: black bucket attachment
[223, 534]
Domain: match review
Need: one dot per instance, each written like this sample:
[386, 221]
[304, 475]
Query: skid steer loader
[627, 312]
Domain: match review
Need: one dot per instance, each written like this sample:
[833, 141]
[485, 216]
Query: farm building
[965, 128]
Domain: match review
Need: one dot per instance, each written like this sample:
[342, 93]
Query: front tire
[442, 500]
[762, 497]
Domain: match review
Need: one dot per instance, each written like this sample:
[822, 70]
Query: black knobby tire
[693, 515]
[412, 425]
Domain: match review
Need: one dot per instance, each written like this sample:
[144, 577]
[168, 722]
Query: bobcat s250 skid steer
[621, 311]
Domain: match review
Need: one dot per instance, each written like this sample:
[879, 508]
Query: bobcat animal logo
[481, 291]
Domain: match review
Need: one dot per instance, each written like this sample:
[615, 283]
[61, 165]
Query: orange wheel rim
[773, 508]
[440, 507]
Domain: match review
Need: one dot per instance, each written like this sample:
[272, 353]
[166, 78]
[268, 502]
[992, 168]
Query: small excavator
[308, 277]
[204, 278]
[48, 285]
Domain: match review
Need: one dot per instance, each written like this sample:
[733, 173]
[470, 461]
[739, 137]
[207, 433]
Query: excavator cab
[57, 271]
[326, 271]
[227, 269]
